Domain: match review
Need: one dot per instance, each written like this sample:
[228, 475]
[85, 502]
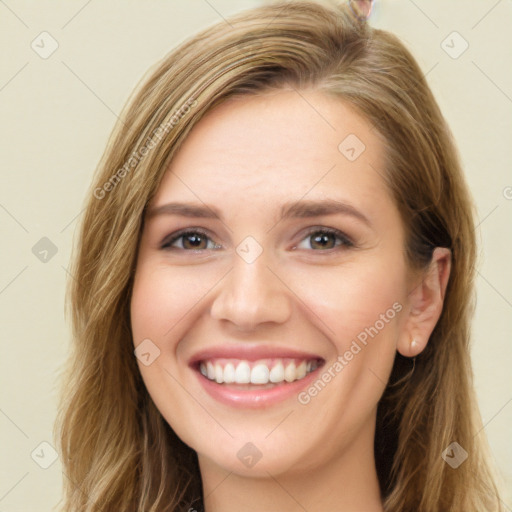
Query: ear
[425, 304]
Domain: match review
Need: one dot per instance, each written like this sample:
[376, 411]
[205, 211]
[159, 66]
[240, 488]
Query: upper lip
[250, 353]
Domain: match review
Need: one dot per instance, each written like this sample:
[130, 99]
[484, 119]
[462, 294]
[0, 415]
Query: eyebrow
[295, 209]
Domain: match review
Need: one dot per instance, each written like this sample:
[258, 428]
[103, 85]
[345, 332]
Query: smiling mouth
[263, 372]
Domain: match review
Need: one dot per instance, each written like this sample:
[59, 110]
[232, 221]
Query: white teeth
[301, 371]
[260, 374]
[210, 369]
[277, 373]
[229, 373]
[219, 374]
[289, 372]
[243, 373]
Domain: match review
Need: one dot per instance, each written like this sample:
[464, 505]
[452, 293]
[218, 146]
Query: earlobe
[412, 347]
[425, 304]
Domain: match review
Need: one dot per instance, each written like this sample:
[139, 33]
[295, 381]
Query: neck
[347, 483]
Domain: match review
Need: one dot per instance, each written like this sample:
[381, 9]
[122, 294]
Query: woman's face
[272, 261]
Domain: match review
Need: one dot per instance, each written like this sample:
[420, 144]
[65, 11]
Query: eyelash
[345, 240]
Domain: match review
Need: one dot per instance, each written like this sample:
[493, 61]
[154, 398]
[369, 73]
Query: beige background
[56, 114]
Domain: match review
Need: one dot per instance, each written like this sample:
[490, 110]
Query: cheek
[163, 297]
[358, 308]
[162, 303]
[351, 298]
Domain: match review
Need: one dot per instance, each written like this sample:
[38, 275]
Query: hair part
[143, 465]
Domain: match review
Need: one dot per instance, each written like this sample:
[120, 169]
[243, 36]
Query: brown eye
[194, 241]
[189, 240]
[322, 241]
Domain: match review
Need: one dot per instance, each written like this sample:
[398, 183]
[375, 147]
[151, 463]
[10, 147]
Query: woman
[280, 231]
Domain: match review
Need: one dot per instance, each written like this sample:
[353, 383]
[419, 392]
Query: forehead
[275, 147]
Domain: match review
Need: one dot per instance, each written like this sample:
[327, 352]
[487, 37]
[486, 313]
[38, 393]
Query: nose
[252, 294]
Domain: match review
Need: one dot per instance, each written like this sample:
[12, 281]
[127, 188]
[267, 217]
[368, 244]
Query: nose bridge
[251, 294]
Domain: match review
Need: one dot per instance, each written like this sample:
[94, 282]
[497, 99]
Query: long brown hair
[118, 453]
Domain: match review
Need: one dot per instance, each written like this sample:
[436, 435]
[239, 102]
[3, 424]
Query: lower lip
[255, 397]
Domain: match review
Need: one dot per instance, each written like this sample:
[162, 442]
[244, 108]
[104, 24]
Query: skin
[247, 158]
